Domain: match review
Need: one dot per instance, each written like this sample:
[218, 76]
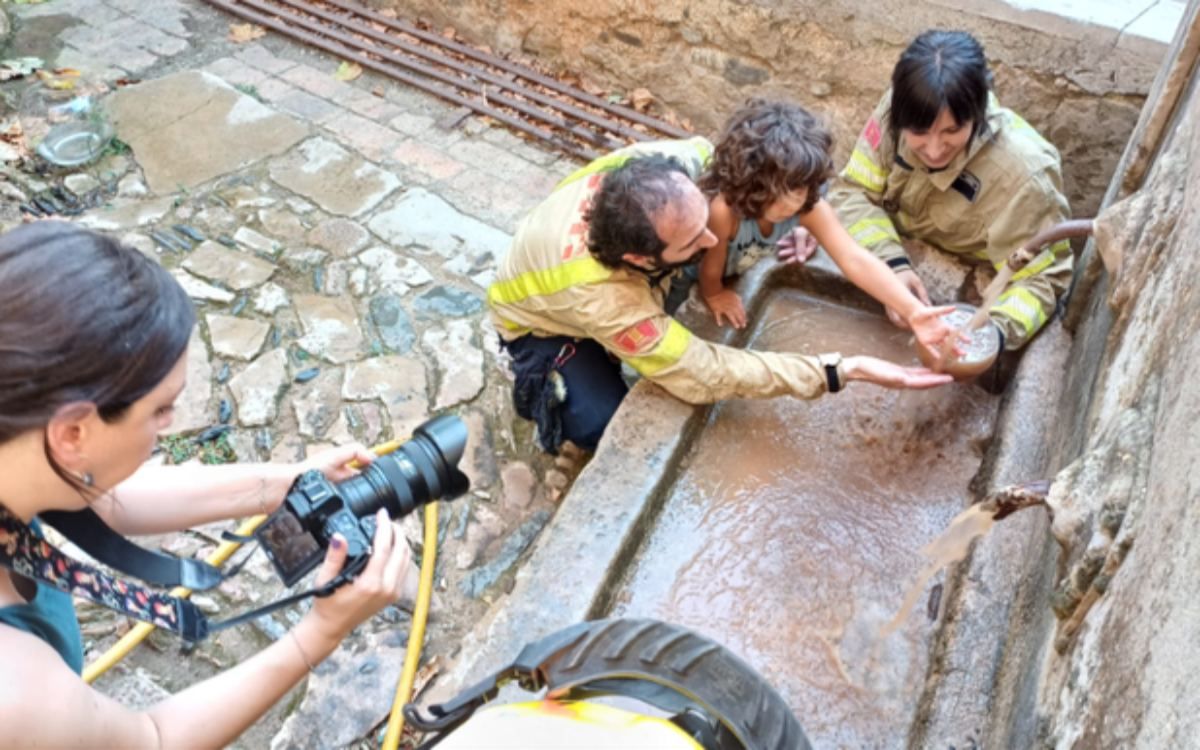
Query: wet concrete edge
[996, 624]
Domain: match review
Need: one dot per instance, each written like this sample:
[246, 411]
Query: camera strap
[25, 552]
[96, 538]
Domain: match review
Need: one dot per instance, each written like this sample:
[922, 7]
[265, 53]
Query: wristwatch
[832, 363]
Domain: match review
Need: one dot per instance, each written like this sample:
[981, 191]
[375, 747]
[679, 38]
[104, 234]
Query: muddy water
[794, 528]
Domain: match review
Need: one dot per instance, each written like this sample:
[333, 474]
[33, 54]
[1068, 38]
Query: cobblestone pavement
[338, 238]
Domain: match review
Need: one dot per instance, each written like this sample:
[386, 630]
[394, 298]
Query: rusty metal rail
[665, 128]
[572, 126]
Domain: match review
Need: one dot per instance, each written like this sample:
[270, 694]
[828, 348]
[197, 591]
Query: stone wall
[1081, 85]
[1126, 648]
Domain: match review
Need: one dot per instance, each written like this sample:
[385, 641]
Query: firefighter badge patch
[872, 134]
[635, 338]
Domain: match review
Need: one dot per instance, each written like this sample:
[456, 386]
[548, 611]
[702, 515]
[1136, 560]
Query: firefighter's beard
[659, 267]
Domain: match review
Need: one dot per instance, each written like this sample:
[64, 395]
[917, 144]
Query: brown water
[793, 529]
[950, 547]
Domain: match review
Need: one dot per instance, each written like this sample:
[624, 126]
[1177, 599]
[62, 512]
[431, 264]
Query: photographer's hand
[379, 584]
[334, 463]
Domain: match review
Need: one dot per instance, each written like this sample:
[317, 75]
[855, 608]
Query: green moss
[180, 448]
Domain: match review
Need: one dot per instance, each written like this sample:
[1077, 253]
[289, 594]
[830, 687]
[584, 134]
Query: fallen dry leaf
[641, 99]
[61, 79]
[240, 33]
[425, 675]
[348, 71]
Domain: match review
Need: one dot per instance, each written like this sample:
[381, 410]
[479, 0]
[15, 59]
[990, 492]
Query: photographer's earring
[87, 479]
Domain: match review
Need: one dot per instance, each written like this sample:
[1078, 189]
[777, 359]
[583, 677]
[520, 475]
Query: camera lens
[423, 469]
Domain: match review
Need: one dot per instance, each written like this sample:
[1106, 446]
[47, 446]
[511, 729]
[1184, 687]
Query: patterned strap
[23, 552]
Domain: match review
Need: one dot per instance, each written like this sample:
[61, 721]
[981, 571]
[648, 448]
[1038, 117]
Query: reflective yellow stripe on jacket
[870, 231]
[617, 158]
[1019, 304]
[865, 172]
[1042, 261]
[546, 281]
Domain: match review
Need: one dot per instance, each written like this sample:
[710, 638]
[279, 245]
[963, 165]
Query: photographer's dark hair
[620, 219]
[766, 150]
[940, 69]
[82, 319]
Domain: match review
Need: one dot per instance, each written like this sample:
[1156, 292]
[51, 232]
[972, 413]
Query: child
[764, 186]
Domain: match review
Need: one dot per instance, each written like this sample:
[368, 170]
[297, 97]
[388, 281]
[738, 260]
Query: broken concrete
[333, 178]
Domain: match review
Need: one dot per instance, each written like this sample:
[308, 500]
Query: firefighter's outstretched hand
[726, 307]
[892, 375]
[796, 247]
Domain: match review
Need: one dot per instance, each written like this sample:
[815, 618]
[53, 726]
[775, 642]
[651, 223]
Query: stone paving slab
[348, 233]
[335, 179]
[190, 127]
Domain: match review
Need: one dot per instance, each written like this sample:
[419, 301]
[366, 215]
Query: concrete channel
[792, 544]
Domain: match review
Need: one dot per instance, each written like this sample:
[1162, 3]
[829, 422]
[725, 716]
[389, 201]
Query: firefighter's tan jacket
[989, 201]
[549, 284]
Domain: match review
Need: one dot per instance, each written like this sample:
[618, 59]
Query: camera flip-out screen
[291, 548]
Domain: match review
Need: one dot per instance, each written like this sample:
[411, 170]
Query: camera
[423, 469]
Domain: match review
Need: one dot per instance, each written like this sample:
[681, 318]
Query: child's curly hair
[766, 150]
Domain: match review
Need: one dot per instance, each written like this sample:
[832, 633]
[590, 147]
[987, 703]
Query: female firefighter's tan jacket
[549, 284]
[992, 199]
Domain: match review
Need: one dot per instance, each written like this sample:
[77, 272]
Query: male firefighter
[582, 290]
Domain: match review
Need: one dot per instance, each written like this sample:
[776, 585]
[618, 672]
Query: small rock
[255, 241]
[11, 192]
[206, 604]
[131, 186]
[446, 302]
[239, 338]
[518, 481]
[393, 323]
[820, 89]
[80, 183]
[458, 360]
[199, 289]
[342, 237]
[556, 480]
[299, 205]
[281, 223]
[270, 297]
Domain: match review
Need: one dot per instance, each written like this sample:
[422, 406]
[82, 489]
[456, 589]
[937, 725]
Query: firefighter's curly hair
[766, 150]
[620, 219]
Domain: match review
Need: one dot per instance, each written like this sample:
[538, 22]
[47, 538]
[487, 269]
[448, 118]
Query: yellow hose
[139, 632]
[130, 640]
[412, 657]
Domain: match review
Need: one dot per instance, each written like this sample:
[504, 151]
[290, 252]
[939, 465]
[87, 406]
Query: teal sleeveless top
[51, 617]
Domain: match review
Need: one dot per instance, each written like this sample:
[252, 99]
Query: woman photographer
[93, 340]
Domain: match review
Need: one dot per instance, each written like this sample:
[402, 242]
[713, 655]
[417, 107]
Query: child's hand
[726, 304]
[796, 247]
[913, 282]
